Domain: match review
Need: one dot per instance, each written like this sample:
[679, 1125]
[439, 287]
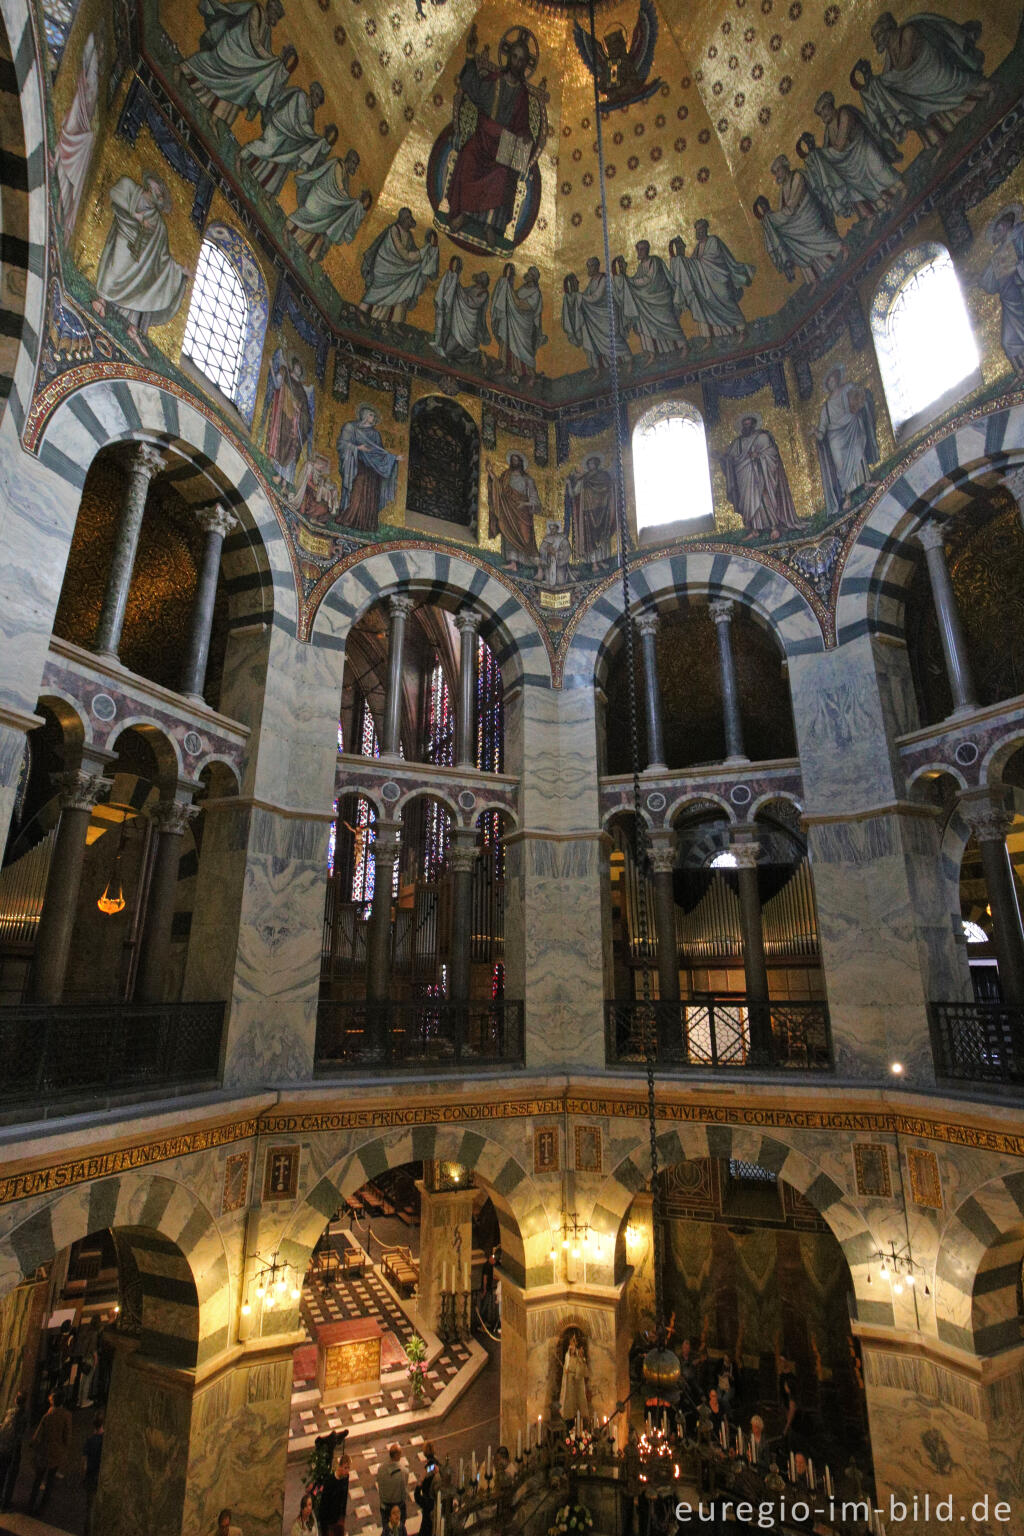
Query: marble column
[989, 823]
[183, 1448]
[144, 461]
[468, 625]
[446, 1242]
[721, 611]
[399, 609]
[954, 646]
[216, 522]
[663, 863]
[169, 818]
[384, 848]
[79, 790]
[1014, 482]
[462, 859]
[970, 1403]
[647, 628]
[755, 967]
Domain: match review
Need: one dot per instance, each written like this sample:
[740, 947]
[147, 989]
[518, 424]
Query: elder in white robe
[710, 284]
[235, 66]
[756, 483]
[290, 141]
[327, 213]
[78, 137]
[136, 271]
[932, 76]
[460, 315]
[856, 164]
[846, 439]
[585, 317]
[799, 235]
[648, 305]
[396, 270]
[516, 320]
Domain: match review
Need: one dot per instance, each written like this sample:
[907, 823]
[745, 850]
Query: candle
[465, 1276]
[810, 1474]
[739, 1442]
[792, 1467]
[519, 1445]
[472, 1466]
[444, 1277]
[828, 1480]
[724, 1436]
[540, 1418]
[462, 1472]
[440, 1529]
[579, 1421]
[488, 1461]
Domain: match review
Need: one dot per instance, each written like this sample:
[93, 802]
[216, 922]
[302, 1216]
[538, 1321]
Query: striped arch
[524, 1220]
[24, 214]
[175, 1243]
[878, 566]
[978, 1269]
[670, 581]
[205, 462]
[689, 1141]
[451, 581]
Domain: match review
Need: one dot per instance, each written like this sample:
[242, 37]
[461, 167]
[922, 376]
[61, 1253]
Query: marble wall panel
[238, 1449]
[446, 1239]
[145, 1449]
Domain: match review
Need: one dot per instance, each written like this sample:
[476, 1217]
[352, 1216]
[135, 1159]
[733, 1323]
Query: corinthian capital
[216, 519]
[80, 790]
[988, 820]
[173, 816]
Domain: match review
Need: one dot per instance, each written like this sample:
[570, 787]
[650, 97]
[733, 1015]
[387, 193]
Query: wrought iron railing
[709, 1032]
[434, 1031]
[99, 1050]
[978, 1042]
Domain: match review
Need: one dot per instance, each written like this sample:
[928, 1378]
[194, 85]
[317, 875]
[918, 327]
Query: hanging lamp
[661, 1368]
[112, 901]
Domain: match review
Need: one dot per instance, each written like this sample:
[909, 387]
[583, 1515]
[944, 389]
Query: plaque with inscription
[348, 1359]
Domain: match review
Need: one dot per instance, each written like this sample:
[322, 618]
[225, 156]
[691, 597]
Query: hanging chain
[640, 860]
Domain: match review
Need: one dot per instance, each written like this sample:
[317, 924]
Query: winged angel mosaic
[484, 164]
[622, 69]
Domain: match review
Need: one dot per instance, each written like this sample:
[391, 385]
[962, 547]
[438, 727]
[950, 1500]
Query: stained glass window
[671, 478]
[922, 332]
[440, 749]
[332, 842]
[366, 817]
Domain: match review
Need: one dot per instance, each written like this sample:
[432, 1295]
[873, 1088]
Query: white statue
[555, 554]
[575, 1379]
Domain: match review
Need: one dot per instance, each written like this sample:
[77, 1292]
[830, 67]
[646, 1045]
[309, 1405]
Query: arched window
[444, 462]
[923, 337]
[227, 317]
[671, 478]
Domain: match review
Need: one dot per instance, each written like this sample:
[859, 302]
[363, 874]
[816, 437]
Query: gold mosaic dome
[697, 104]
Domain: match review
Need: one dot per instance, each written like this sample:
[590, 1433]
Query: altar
[348, 1359]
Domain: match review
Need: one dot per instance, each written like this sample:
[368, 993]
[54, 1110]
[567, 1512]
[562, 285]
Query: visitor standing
[334, 1497]
[50, 1445]
[92, 1452]
[426, 1492]
[392, 1488]
[12, 1433]
[305, 1523]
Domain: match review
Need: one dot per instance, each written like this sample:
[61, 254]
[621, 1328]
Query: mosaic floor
[340, 1301]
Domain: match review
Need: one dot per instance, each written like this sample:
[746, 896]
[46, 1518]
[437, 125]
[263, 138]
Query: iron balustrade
[435, 1032]
[708, 1032]
[978, 1042]
[97, 1050]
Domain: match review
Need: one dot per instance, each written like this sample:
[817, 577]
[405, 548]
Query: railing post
[745, 848]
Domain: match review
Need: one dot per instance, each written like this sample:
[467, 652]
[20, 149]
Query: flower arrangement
[579, 1441]
[571, 1518]
[416, 1353]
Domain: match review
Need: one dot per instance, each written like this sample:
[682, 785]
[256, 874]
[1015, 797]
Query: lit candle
[540, 1418]
[519, 1445]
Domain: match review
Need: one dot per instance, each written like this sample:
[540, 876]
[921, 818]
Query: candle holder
[464, 1324]
[447, 1327]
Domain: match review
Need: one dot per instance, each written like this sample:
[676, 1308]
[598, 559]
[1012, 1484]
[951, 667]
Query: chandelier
[274, 1282]
[898, 1266]
[661, 1367]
